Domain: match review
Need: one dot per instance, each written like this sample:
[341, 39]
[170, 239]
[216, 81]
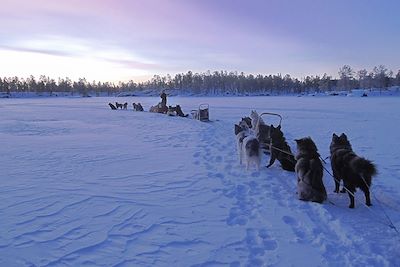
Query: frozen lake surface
[82, 185]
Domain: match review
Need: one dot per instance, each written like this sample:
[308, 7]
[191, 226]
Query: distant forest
[217, 82]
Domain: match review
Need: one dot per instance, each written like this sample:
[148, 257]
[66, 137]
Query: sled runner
[202, 113]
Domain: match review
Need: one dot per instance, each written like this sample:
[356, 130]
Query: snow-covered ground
[82, 185]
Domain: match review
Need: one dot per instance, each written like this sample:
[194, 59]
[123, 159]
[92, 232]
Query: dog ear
[238, 129]
[279, 127]
[298, 141]
[343, 135]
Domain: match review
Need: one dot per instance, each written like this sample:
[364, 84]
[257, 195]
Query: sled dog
[118, 105]
[247, 120]
[264, 137]
[171, 111]
[278, 145]
[137, 107]
[256, 120]
[179, 111]
[355, 171]
[309, 171]
[248, 146]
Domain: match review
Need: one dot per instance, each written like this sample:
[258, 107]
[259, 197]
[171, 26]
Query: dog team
[161, 107]
[118, 105]
[136, 107]
[253, 137]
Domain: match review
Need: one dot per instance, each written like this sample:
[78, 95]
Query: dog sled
[202, 113]
[276, 115]
[264, 130]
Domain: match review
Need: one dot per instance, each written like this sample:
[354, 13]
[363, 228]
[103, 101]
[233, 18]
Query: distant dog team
[159, 108]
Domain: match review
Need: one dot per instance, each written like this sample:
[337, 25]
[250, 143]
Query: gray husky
[355, 171]
[248, 146]
[309, 170]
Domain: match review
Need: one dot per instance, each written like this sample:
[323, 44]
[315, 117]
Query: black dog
[137, 107]
[355, 171]
[264, 137]
[179, 111]
[247, 120]
[118, 105]
[281, 150]
[309, 170]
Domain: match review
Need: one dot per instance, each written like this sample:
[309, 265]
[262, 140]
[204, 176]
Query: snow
[82, 185]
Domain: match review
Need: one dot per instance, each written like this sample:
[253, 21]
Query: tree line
[217, 82]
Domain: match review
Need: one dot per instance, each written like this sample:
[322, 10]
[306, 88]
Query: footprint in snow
[298, 230]
[289, 220]
[228, 167]
[268, 242]
[258, 243]
[236, 218]
[209, 166]
[220, 175]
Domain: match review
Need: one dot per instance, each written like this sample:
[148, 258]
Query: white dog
[248, 146]
[256, 120]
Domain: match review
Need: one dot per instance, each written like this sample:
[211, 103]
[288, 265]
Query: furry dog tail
[253, 146]
[364, 167]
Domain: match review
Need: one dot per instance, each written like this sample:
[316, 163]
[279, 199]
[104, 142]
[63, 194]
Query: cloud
[132, 64]
[38, 51]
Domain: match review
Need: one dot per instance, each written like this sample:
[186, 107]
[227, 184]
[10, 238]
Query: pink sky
[122, 40]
